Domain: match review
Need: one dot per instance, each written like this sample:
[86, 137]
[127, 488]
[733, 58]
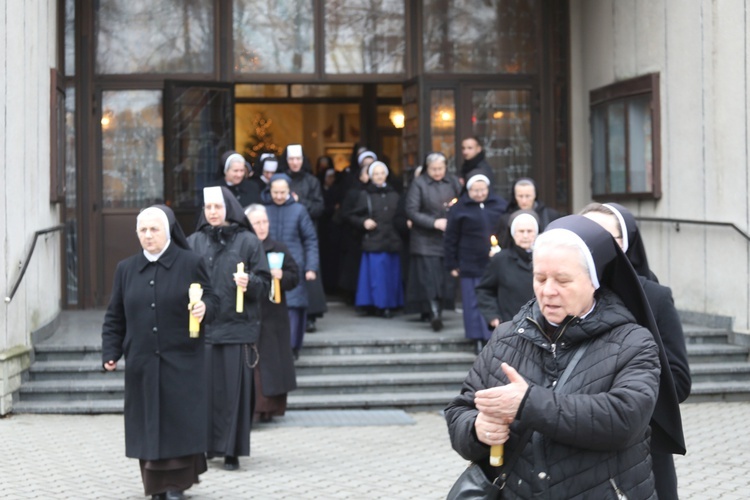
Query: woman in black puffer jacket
[592, 438]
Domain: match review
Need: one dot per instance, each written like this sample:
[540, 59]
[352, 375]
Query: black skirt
[230, 398]
[171, 474]
[429, 280]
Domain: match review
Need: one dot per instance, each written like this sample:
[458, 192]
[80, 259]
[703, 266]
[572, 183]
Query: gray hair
[255, 207]
[433, 157]
[564, 238]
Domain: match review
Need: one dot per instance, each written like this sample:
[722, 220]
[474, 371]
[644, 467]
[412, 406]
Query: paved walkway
[320, 456]
[82, 457]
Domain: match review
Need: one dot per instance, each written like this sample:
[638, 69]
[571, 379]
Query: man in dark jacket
[471, 150]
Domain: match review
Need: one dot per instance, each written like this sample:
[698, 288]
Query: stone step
[70, 407]
[704, 335]
[379, 363]
[73, 370]
[720, 372]
[54, 352]
[428, 400]
[380, 382]
[716, 353]
[73, 390]
[719, 391]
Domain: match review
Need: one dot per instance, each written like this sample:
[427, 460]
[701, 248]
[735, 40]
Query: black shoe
[311, 328]
[160, 496]
[437, 324]
[295, 353]
[387, 313]
[174, 495]
[231, 463]
[435, 315]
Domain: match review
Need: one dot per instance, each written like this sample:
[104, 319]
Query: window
[625, 139]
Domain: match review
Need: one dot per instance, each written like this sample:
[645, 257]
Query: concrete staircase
[416, 371]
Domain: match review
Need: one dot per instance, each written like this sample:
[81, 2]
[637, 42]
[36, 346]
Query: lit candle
[195, 293]
[495, 248]
[240, 289]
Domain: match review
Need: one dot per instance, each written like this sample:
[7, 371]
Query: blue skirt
[475, 326]
[379, 281]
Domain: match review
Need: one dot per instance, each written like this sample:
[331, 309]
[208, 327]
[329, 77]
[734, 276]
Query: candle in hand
[275, 261]
[495, 248]
[240, 289]
[496, 455]
[195, 294]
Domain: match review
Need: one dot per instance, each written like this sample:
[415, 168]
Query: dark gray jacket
[427, 201]
[592, 435]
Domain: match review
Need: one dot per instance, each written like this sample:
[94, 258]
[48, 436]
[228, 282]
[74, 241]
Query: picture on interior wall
[341, 153]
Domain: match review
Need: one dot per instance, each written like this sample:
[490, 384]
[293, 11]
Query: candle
[275, 261]
[496, 455]
[240, 289]
[495, 248]
[195, 293]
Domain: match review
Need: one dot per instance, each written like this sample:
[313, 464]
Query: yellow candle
[496, 455]
[240, 289]
[195, 293]
[493, 241]
[276, 291]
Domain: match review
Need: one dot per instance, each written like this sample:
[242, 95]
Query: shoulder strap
[508, 466]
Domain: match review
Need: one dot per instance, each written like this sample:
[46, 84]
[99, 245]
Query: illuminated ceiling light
[446, 116]
[397, 117]
[497, 115]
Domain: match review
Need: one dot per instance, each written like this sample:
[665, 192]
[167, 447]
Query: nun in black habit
[147, 321]
[590, 437]
[225, 239]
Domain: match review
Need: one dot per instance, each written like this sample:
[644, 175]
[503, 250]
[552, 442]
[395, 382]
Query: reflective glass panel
[640, 144]
[273, 36]
[71, 222]
[326, 90]
[154, 36]
[443, 125]
[502, 121]
[132, 148]
[390, 90]
[599, 149]
[616, 146]
[467, 36]
[70, 40]
[261, 90]
[365, 36]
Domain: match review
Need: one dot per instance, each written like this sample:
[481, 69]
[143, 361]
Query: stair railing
[37, 234]
[677, 223]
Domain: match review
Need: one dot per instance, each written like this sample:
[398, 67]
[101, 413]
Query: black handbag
[473, 483]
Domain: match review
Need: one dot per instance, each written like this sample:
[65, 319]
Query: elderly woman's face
[279, 192]
[479, 191]
[295, 163]
[525, 233]
[561, 283]
[436, 170]
[608, 222]
[215, 213]
[236, 172]
[152, 234]
[379, 175]
[259, 221]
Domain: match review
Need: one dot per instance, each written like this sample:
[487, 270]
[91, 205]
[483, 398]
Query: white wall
[700, 49]
[27, 52]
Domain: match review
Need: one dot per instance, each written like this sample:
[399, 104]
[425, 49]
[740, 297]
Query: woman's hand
[495, 322]
[241, 279]
[370, 224]
[310, 275]
[198, 310]
[491, 431]
[454, 273]
[277, 273]
[440, 224]
[502, 402]
[110, 366]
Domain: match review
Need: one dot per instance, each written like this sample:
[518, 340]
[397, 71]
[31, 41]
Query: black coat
[596, 430]
[351, 239]
[247, 192]
[276, 363]
[544, 214]
[379, 204]
[307, 188]
[670, 329]
[506, 285]
[223, 248]
[467, 237]
[165, 384]
[426, 201]
[478, 163]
